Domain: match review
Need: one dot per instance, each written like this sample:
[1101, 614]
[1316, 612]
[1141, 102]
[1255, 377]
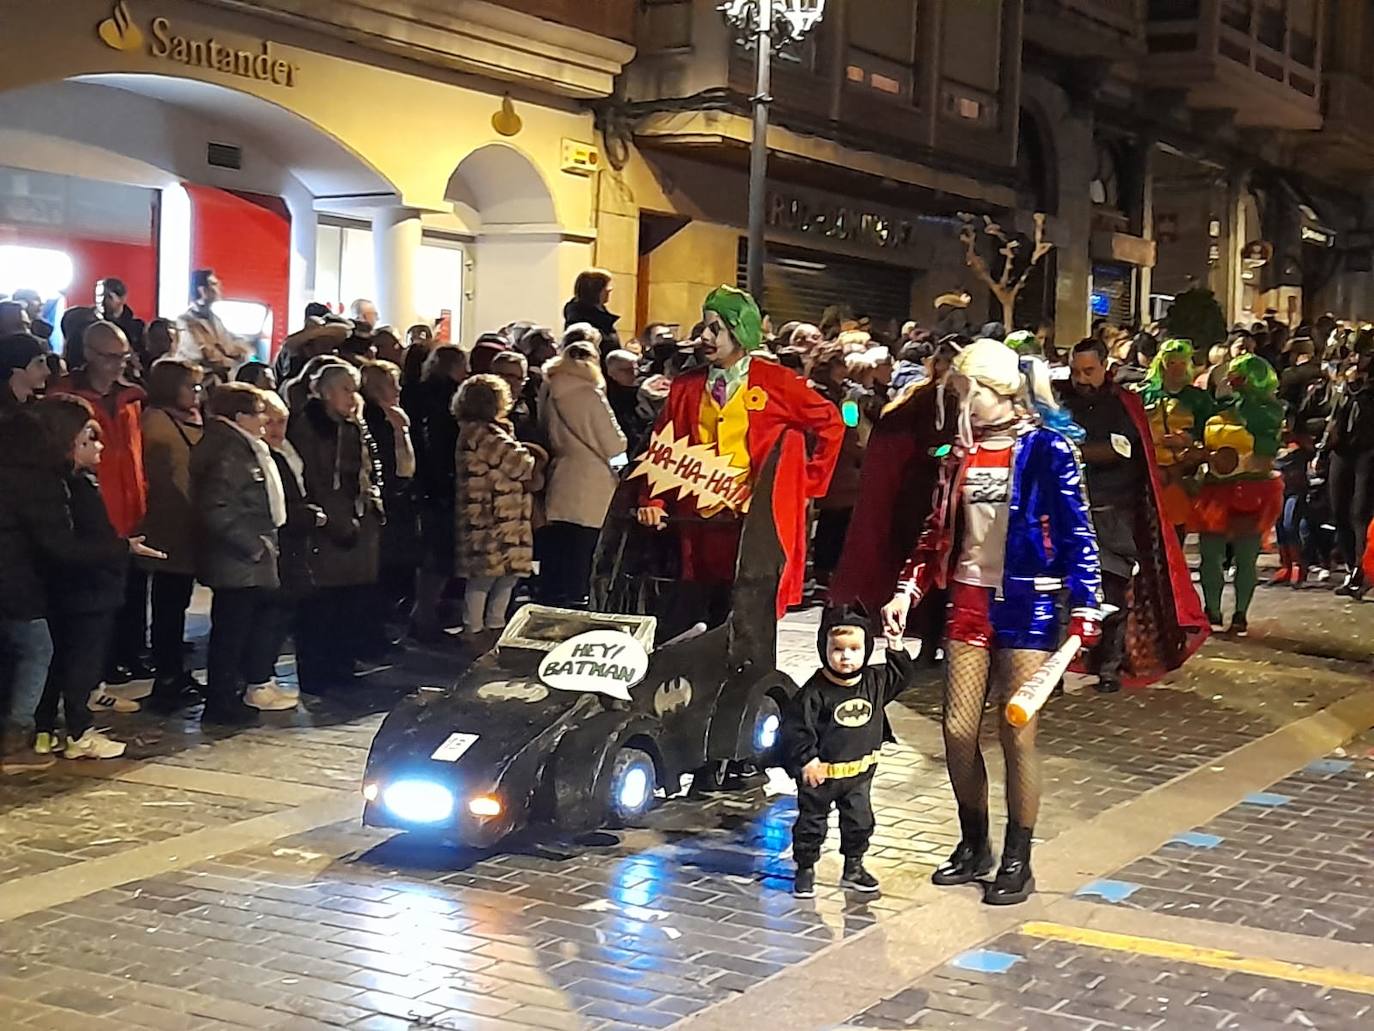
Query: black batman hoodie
[844, 725]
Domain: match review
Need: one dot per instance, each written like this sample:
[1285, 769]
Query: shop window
[344, 271]
[45, 269]
[1273, 25]
[972, 44]
[1237, 14]
[439, 279]
[881, 42]
[1302, 32]
[1173, 10]
[665, 25]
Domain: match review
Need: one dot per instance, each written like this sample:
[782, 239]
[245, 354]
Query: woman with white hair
[343, 478]
[1009, 532]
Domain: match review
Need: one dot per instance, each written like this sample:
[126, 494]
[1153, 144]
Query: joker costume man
[742, 406]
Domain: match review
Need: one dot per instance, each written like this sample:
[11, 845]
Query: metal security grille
[798, 285]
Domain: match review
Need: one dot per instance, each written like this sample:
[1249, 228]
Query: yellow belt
[838, 771]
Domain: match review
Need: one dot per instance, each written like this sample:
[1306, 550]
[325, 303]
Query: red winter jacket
[120, 414]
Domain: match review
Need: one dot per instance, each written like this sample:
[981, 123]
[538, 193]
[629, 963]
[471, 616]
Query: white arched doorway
[167, 143]
[523, 258]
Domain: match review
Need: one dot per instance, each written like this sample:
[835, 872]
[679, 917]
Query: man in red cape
[742, 407]
[1158, 622]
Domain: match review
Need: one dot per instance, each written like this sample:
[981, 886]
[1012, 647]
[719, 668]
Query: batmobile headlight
[418, 801]
[633, 790]
[768, 731]
[484, 805]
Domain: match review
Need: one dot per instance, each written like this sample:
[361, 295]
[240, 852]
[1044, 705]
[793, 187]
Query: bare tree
[1005, 286]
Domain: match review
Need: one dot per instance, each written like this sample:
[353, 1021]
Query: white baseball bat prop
[1026, 702]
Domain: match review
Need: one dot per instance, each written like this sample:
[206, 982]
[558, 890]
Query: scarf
[294, 462]
[271, 479]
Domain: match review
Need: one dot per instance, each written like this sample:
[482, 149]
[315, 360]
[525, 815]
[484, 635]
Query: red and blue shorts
[977, 617]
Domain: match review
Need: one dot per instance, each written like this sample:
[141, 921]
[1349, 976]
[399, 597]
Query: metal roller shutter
[798, 285]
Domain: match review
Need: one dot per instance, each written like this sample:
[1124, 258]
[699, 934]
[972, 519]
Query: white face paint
[717, 343]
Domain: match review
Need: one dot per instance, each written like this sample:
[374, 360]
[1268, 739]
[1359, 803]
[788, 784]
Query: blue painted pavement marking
[985, 961]
[1266, 798]
[1109, 891]
[1329, 766]
[1196, 839]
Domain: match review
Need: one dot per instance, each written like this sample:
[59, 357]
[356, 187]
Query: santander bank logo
[118, 31]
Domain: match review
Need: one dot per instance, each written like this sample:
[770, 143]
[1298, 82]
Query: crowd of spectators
[371, 486]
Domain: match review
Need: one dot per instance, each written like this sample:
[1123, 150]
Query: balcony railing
[1199, 43]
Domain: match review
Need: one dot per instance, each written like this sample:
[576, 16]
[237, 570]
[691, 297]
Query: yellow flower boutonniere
[755, 398]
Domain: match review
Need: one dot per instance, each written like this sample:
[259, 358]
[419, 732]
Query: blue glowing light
[418, 801]
[768, 731]
[633, 791]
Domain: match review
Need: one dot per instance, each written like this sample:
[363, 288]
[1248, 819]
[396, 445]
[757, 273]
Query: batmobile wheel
[767, 733]
[631, 787]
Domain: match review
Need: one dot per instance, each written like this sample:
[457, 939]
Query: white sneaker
[269, 697]
[102, 701]
[94, 745]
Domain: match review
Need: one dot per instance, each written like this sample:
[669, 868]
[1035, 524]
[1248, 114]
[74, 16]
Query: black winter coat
[235, 539]
[401, 534]
[38, 543]
[1351, 429]
[434, 434]
[98, 586]
[333, 451]
[299, 551]
[575, 311]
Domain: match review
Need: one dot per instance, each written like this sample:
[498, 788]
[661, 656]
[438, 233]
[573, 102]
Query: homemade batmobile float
[576, 720]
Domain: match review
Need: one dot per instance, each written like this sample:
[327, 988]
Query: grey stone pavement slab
[1297, 857]
[338, 926]
[1302, 874]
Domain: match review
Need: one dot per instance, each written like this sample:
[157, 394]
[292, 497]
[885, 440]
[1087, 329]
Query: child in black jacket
[832, 735]
[85, 588]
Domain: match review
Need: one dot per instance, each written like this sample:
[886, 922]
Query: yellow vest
[727, 428]
[1167, 415]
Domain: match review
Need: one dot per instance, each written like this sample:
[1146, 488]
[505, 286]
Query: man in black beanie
[23, 370]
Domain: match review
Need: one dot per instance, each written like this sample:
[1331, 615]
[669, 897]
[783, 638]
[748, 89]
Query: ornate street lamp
[761, 21]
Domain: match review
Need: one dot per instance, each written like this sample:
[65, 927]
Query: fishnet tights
[966, 694]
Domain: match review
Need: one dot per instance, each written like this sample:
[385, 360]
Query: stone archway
[156, 131]
[523, 258]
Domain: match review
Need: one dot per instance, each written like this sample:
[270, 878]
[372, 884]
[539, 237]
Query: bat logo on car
[673, 696]
[853, 713]
[513, 691]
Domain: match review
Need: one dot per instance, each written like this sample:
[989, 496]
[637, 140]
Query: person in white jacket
[587, 451]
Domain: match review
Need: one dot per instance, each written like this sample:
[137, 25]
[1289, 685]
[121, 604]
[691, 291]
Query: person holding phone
[86, 585]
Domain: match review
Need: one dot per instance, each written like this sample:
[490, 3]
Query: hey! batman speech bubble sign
[609, 662]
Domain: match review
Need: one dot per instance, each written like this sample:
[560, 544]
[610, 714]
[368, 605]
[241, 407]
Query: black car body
[501, 750]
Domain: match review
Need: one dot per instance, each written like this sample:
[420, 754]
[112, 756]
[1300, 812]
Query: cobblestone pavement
[1293, 859]
[1047, 984]
[334, 925]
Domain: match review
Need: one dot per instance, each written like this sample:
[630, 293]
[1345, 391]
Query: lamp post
[765, 22]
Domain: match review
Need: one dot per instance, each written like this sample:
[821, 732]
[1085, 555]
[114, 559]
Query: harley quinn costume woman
[1009, 532]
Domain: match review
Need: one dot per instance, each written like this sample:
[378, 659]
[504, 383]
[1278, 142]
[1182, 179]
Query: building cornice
[470, 36]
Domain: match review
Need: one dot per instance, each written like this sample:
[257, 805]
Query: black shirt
[840, 724]
[1116, 482]
[1113, 479]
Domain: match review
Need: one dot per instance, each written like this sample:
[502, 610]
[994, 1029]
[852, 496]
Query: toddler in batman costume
[832, 734]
